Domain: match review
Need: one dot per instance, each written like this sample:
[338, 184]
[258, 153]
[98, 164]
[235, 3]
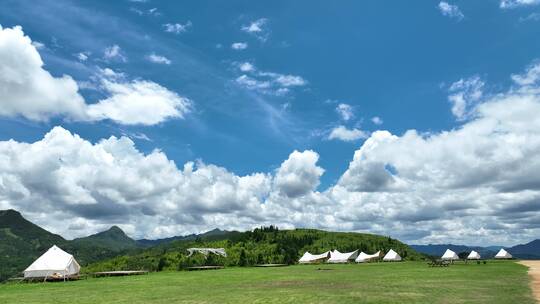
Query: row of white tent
[450, 255]
[335, 256]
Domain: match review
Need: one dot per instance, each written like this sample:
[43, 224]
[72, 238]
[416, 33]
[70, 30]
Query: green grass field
[406, 282]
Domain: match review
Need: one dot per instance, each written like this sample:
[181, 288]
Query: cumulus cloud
[177, 28]
[450, 10]
[257, 28]
[158, 59]
[239, 46]
[517, 3]
[342, 133]
[476, 184]
[246, 67]
[345, 111]
[464, 95]
[114, 52]
[377, 120]
[28, 90]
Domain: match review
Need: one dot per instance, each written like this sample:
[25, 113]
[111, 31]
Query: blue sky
[262, 80]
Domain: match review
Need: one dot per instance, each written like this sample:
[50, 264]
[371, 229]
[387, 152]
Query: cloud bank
[30, 91]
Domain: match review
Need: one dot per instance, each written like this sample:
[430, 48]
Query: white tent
[449, 255]
[503, 254]
[473, 256]
[364, 257]
[339, 257]
[313, 258]
[391, 256]
[53, 263]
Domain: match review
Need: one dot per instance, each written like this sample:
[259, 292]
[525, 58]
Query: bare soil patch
[534, 272]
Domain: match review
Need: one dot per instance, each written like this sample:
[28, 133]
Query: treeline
[265, 245]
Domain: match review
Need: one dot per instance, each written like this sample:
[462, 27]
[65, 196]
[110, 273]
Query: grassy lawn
[406, 282]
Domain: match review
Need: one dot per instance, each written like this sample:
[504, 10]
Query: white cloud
[158, 59]
[377, 120]
[345, 111]
[464, 96]
[82, 56]
[530, 77]
[38, 45]
[177, 28]
[476, 184]
[450, 10]
[32, 92]
[290, 80]
[257, 28]
[114, 52]
[239, 46]
[342, 133]
[246, 67]
[516, 3]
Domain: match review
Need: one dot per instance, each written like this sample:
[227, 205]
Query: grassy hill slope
[261, 246]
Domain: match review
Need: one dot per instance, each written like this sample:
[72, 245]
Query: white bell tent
[340, 257]
[503, 254]
[53, 263]
[364, 257]
[449, 255]
[314, 258]
[391, 256]
[473, 256]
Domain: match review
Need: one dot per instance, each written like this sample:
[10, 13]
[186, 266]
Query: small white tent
[391, 256]
[313, 258]
[473, 256]
[339, 257]
[53, 263]
[449, 255]
[364, 257]
[503, 254]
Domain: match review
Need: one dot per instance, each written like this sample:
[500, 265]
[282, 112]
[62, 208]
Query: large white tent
[503, 254]
[340, 257]
[391, 256]
[53, 263]
[313, 258]
[449, 255]
[364, 257]
[473, 256]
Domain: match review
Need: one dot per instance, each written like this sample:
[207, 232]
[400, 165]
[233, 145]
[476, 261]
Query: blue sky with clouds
[241, 85]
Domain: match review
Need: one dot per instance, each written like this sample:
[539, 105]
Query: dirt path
[534, 272]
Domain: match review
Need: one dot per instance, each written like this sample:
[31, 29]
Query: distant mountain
[21, 242]
[530, 250]
[213, 234]
[114, 239]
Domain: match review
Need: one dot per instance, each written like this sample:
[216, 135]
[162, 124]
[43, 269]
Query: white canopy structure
[473, 256]
[53, 263]
[449, 255]
[339, 257]
[391, 256]
[313, 258]
[364, 257]
[206, 251]
[503, 254]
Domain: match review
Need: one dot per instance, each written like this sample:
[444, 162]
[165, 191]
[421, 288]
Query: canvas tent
[391, 256]
[364, 257]
[473, 256]
[313, 258]
[449, 255]
[503, 254]
[340, 257]
[53, 263]
[206, 251]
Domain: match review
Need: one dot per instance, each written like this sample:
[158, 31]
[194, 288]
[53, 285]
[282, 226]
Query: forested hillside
[260, 246]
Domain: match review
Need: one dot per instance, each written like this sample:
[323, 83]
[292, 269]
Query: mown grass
[406, 282]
